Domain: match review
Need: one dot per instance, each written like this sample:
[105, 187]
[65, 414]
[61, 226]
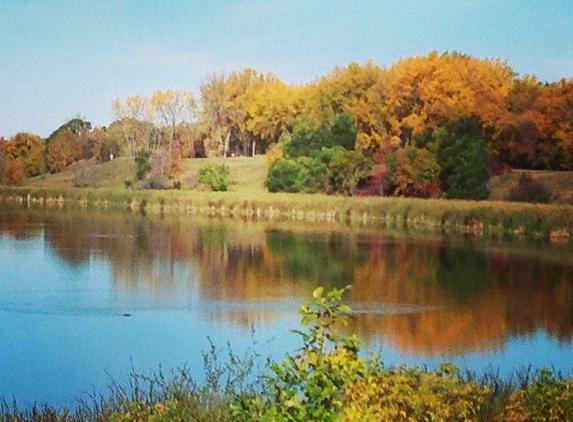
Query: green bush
[303, 174]
[216, 176]
[283, 175]
[331, 170]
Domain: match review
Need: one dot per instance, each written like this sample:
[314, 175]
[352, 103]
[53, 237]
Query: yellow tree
[357, 90]
[270, 107]
[223, 113]
[423, 93]
[133, 107]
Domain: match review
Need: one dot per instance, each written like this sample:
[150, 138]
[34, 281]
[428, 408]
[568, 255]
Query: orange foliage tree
[24, 158]
[425, 92]
[535, 129]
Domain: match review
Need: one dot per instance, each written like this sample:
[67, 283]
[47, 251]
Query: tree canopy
[372, 110]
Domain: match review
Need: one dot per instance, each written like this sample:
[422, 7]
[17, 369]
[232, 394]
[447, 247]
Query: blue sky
[61, 58]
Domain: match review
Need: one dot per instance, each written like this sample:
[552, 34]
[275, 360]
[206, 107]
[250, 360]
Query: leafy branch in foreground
[308, 385]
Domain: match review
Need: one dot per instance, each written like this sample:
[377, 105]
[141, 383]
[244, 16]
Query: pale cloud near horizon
[64, 57]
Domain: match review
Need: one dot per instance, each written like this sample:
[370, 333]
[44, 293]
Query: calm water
[85, 297]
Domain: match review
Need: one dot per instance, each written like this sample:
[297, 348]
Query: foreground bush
[328, 379]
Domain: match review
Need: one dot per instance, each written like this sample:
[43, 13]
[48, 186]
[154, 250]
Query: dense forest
[429, 126]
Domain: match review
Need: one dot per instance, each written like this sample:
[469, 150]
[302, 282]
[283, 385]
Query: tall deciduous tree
[129, 128]
[270, 107]
[224, 112]
[171, 108]
[354, 90]
[63, 149]
[425, 92]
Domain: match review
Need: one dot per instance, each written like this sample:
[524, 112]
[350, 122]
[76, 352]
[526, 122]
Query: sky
[60, 59]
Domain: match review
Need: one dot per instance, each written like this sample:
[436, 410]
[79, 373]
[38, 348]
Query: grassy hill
[249, 174]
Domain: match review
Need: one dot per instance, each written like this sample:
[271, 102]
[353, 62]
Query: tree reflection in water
[429, 294]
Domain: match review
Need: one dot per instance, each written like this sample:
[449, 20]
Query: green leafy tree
[311, 135]
[463, 156]
[307, 136]
[341, 132]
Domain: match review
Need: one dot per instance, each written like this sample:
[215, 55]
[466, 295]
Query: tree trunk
[226, 144]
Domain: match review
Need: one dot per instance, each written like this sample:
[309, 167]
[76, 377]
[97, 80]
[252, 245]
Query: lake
[85, 296]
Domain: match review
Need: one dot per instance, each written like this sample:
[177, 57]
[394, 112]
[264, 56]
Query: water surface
[85, 296]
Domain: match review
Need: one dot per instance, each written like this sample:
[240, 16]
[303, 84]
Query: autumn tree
[270, 107]
[3, 156]
[24, 158]
[422, 93]
[131, 127]
[224, 112]
[132, 135]
[355, 90]
[536, 129]
[63, 149]
[172, 108]
[169, 110]
[413, 171]
[98, 145]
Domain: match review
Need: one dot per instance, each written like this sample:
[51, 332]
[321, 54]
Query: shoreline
[553, 222]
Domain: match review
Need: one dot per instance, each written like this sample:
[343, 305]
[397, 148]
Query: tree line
[428, 126]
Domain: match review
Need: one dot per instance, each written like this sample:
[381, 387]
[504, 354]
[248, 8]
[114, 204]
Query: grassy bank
[487, 218]
[328, 379]
[247, 198]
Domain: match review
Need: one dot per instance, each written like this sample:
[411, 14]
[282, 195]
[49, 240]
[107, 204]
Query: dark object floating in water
[126, 314]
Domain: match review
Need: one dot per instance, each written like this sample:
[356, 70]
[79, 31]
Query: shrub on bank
[216, 176]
